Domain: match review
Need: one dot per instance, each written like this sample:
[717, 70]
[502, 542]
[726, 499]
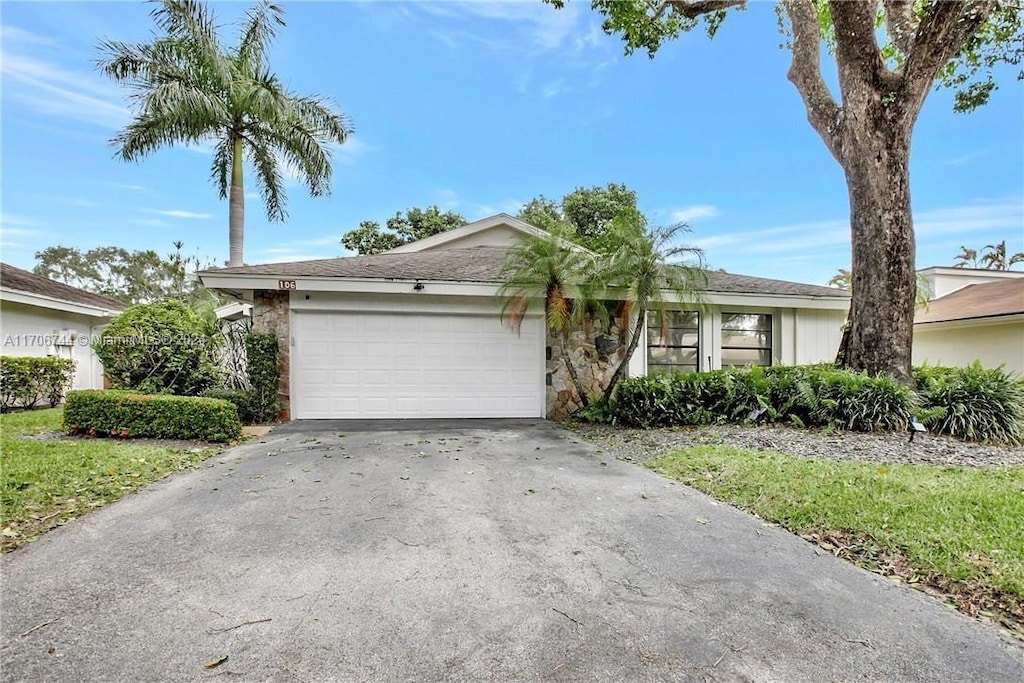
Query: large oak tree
[888, 55]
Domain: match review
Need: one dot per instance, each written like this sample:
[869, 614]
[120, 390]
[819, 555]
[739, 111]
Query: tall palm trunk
[563, 339]
[236, 207]
[641, 321]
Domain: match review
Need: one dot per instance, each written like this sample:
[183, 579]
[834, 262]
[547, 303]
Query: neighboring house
[415, 332]
[41, 317]
[974, 315]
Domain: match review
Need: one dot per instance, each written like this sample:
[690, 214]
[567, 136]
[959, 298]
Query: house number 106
[286, 284]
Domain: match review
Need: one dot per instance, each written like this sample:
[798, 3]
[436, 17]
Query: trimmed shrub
[160, 348]
[26, 380]
[973, 403]
[243, 399]
[261, 364]
[128, 414]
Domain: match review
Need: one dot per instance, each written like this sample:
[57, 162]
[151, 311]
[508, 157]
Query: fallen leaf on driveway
[215, 663]
[701, 520]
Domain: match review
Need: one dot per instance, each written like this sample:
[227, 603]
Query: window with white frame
[673, 341]
[746, 339]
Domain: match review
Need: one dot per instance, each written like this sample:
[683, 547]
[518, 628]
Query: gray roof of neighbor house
[21, 280]
[482, 264]
[980, 300]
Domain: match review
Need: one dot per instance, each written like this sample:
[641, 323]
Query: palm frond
[268, 178]
[258, 31]
[220, 166]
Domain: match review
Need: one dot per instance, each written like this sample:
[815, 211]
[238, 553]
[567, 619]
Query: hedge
[261, 364]
[129, 414]
[26, 380]
[245, 400]
[971, 403]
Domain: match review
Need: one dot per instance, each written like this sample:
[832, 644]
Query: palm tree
[646, 265]
[188, 88]
[548, 268]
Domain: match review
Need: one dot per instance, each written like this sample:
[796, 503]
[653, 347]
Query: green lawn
[45, 483]
[960, 530]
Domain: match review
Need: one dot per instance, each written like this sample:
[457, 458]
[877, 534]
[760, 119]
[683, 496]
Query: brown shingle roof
[24, 281]
[980, 300]
[482, 264]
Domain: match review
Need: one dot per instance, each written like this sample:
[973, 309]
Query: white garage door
[377, 365]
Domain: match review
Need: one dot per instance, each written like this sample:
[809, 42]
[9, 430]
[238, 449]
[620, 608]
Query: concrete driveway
[493, 550]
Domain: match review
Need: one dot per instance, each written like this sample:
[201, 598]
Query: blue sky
[479, 107]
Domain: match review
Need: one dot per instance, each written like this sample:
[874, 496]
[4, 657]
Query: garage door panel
[351, 365]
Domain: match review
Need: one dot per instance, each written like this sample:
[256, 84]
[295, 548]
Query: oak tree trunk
[876, 152]
[236, 208]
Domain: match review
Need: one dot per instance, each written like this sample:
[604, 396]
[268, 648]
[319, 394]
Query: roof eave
[43, 301]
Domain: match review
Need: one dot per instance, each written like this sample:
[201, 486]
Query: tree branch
[824, 115]
[857, 53]
[942, 32]
[692, 9]
[900, 22]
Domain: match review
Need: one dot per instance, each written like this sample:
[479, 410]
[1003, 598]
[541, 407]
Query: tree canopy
[586, 214]
[185, 87]
[134, 277]
[402, 228]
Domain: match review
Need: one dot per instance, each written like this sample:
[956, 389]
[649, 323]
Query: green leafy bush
[26, 380]
[128, 414]
[261, 363]
[973, 403]
[243, 399]
[857, 402]
[804, 396]
[160, 348]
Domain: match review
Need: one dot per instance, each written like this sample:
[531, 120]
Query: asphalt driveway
[494, 550]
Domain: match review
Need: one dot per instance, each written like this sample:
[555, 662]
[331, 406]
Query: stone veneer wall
[270, 315]
[596, 352]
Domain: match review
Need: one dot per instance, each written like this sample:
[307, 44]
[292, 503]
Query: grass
[957, 530]
[45, 483]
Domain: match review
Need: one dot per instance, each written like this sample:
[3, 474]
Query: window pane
[746, 321]
[674, 356]
[675, 336]
[669, 369]
[746, 339]
[746, 357]
[673, 319]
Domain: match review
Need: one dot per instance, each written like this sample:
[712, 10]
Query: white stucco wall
[960, 344]
[31, 330]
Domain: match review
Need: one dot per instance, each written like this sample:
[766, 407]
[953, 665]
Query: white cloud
[149, 222]
[188, 215]
[130, 188]
[448, 199]
[11, 221]
[691, 213]
[553, 89]
[55, 91]
[1005, 215]
[350, 152]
